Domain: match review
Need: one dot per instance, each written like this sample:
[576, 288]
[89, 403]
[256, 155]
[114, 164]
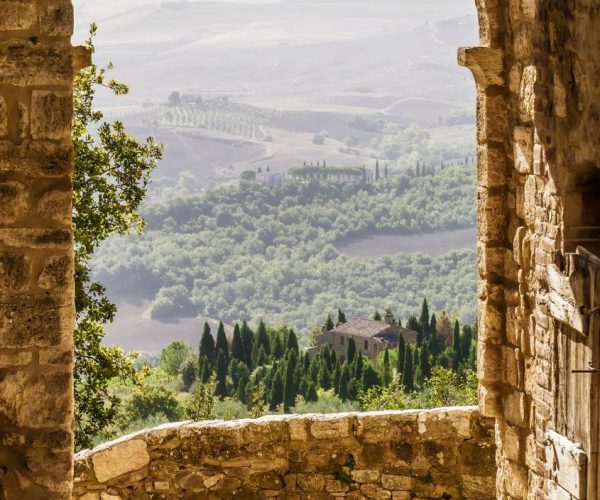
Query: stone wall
[442, 453]
[36, 261]
[538, 149]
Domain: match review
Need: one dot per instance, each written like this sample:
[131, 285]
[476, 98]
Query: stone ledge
[427, 453]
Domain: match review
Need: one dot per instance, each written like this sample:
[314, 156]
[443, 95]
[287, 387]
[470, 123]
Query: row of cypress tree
[270, 360]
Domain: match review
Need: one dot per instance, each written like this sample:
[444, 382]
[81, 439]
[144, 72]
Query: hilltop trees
[286, 379]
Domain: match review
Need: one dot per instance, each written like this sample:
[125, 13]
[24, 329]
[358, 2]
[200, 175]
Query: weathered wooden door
[572, 446]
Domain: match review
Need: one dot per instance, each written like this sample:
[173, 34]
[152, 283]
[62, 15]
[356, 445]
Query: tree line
[268, 361]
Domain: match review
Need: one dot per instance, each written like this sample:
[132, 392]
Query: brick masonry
[442, 453]
[36, 251]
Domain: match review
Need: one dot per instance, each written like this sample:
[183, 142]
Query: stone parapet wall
[441, 453]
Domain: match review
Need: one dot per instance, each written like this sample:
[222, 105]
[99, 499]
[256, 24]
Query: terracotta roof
[364, 327]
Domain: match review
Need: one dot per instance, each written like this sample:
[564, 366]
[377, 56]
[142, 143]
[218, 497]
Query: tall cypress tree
[465, 341]
[324, 376]
[424, 321]
[329, 323]
[342, 389]
[370, 377]
[408, 380]
[377, 170]
[401, 353]
[351, 353]
[306, 361]
[386, 376]
[206, 370]
[221, 389]
[261, 358]
[311, 393]
[276, 390]
[289, 389]
[377, 316]
[207, 344]
[424, 360]
[358, 366]
[277, 346]
[248, 341]
[456, 346]
[222, 341]
[206, 351]
[263, 338]
[237, 345]
[337, 373]
[292, 342]
[341, 317]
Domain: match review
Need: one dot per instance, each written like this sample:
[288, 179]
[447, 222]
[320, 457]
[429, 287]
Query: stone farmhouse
[536, 432]
[370, 336]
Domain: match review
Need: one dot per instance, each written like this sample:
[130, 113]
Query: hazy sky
[259, 45]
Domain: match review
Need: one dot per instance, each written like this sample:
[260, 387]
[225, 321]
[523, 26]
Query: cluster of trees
[269, 361]
[244, 250]
[263, 370]
[407, 145]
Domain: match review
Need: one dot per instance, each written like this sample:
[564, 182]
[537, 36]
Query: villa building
[370, 336]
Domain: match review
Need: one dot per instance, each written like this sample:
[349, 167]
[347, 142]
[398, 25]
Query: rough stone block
[57, 273]
[15, 272]
[3, 115]
[527, 94]
[30, 321]
[331, 427]
[523, 137]
[56, 205]
[25, 63]
[375, 491]
[17, 15]
[36, 238]
[489, 366]
[119, 458]
[36, 158]
[393, 482]
[366, 476]
[443, 424]
[36, 399]
[51, 115]
[516, 409]
[15, 358]
[492, 120]
[56, 19]
[13, 201]
[491, 166]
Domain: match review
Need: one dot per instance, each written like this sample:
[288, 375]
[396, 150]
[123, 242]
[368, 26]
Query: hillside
[246, 251]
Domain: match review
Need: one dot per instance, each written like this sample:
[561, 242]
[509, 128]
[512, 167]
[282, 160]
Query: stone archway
[538, 150]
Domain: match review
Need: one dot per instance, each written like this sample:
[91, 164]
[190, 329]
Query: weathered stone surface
[532, 204]
[17, 14]
[13, 200]
[31, 321]
[3, 117]
[118, 458]
[51, 115]
[50, 391]
[56, 19]
[24, 63]
[184, 459]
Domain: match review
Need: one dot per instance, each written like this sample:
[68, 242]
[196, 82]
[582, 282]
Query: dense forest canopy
[248, 251]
